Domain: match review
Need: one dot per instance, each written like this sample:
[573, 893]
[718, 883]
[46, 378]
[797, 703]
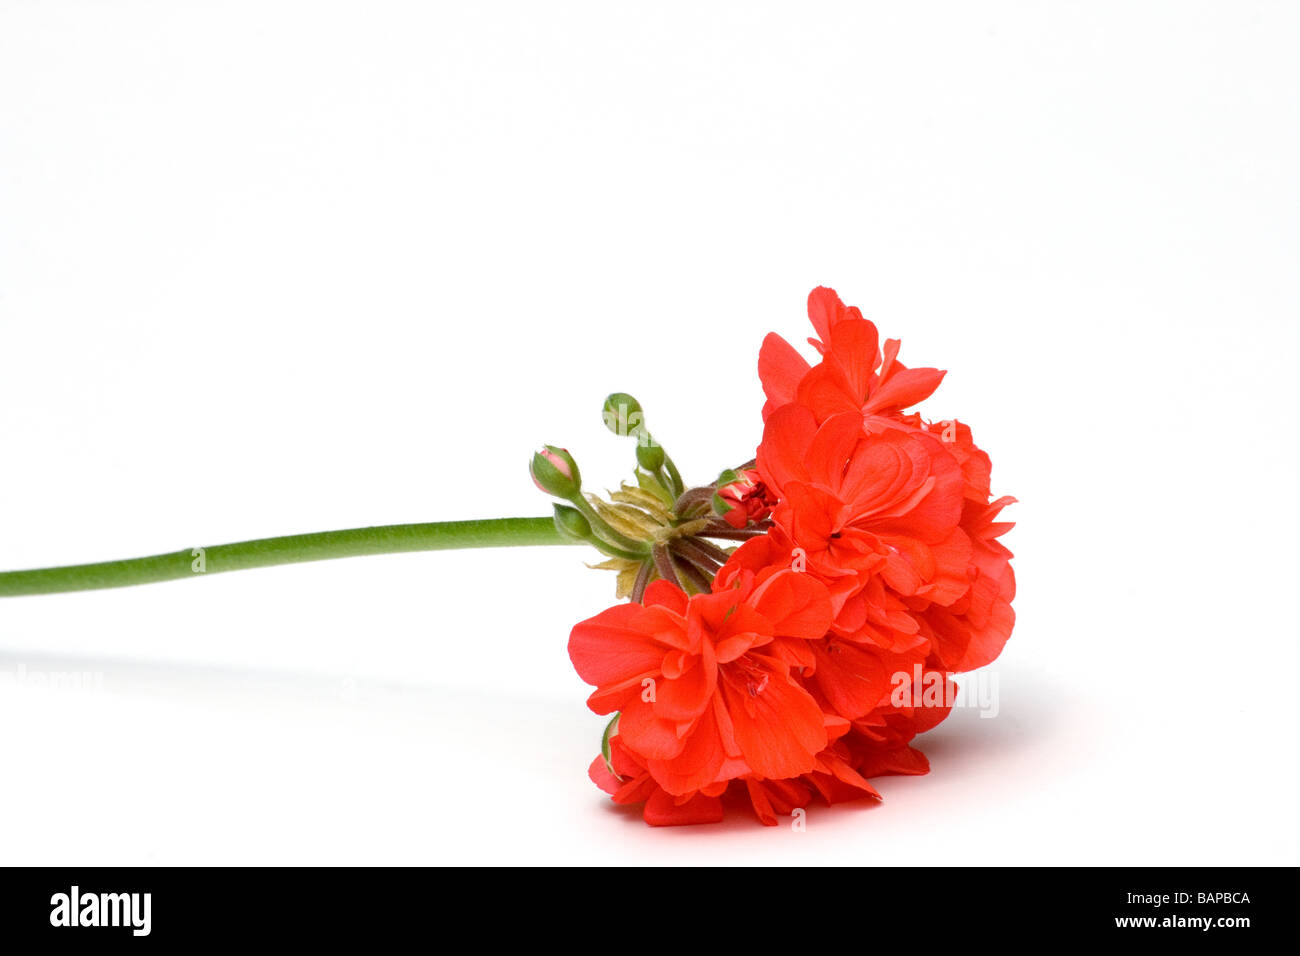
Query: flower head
[866, 550]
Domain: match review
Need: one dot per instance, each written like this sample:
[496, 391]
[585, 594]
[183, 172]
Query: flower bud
[571, 524]
[742, 497]
[606, 751]
[555, 472]
[623, 416]
[650, 456]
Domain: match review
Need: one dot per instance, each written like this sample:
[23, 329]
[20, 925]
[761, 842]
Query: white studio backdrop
[278, 267]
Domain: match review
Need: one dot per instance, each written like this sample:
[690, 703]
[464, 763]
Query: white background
[279, 267]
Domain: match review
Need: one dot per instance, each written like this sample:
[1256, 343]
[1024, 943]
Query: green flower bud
[623, 416]
[611, 729]
[571, 524]
[650, 457]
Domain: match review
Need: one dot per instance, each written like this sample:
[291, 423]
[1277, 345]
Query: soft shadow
[1029, 710]
[242, 688]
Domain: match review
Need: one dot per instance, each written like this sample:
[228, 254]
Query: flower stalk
[289, 549]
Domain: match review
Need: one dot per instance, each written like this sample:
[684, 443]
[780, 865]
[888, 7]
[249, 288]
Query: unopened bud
[650, 457]
[623, 416]
[571, 524]
[720, 505]
[741, 498]
[555, 472]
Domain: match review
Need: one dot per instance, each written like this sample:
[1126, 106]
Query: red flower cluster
[881, 562]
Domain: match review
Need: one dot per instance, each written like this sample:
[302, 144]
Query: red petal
[824, 308]
[609, 648]
[646, 734]
[780, 368]
[853, 346]
[796, 604]
[786, 438]
[697, 766]
[684, 699]
[661, 810]
[779, 726]
[832, 449]
[853, 679]
[827, 391]
[904, 389]
[905, 761]
[601, 777]
[665, 594]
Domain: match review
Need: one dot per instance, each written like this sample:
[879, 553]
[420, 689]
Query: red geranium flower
[853, 374]
[888, 503]
[890, 511]
[702, 696]
[869, 551]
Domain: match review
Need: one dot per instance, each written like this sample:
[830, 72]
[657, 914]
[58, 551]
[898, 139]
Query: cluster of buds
[656, 528]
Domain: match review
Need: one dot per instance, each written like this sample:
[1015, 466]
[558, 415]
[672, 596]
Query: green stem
[674, 475]
[290, 549]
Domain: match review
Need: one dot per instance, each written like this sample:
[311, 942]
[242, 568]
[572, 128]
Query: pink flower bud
[555, 472]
